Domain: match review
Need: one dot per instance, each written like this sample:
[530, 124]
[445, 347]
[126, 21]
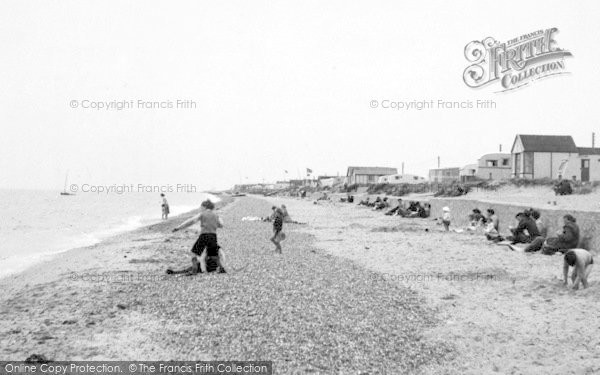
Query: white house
[401, 179]
[367, 175]
[494, 167]
[553, 156]
[468, 172]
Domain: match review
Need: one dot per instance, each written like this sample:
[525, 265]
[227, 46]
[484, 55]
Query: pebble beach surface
[306, 310]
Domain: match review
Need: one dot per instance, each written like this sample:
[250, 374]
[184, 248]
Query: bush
[453, 190]
[398, 189]
[527, 182]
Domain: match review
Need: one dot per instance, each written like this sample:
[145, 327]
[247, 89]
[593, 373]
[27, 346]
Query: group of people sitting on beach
[413, 209]
[531, 230]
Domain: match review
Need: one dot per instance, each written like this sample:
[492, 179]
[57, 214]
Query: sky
[277, 85]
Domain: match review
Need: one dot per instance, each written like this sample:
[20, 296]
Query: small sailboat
[65, 192]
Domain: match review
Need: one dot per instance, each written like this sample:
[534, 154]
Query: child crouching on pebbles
[212, 258]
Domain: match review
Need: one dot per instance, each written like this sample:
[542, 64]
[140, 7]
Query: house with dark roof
[367, 175]
[553, 156]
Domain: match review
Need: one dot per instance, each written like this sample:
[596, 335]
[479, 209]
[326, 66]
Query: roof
[497, 155]
[547, 143]
[379, 171]
[588, 150]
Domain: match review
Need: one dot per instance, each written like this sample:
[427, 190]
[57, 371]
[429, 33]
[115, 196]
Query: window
[491, 163]
[528, 162]
[505, 162]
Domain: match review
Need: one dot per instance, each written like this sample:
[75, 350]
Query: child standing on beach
[278, 236]
[446, 218]
[206, 247]
[165, 207]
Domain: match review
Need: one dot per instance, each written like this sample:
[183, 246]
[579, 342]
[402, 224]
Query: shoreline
[305, 310]
[48, 268]
[382, 292]
[99, 236]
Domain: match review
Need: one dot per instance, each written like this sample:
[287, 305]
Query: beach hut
[554, 156]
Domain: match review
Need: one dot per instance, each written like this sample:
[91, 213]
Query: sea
[35, 225]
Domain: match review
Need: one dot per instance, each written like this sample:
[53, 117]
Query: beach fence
[461, 208]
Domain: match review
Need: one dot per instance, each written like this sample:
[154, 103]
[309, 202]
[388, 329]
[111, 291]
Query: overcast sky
[278, 86]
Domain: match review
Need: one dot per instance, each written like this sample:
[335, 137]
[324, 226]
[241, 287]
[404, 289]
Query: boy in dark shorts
[211, 257]
[277, 218]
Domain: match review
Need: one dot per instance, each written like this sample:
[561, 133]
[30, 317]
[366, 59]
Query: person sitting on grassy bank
[211, 257]
[567, 239]
[582, 261]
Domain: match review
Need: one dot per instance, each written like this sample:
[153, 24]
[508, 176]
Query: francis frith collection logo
[515, 63]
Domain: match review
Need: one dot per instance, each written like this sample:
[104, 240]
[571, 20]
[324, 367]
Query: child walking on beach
[446, 218]
[278, 236]
[211, 257]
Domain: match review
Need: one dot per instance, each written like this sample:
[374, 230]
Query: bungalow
[585, 166]
[444, 174]
[539, 156]
[494, 167]
[367, 175]
[401, 179]
[554, 156]
[468, 173]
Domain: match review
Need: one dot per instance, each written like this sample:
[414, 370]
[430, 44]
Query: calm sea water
[36, 224]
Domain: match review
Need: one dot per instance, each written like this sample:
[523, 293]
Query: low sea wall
[461, 208]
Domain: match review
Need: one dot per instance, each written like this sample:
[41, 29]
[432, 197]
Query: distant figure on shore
[165, 207]
[446, 218]
[212, 258]
[278, 235]
[567, 239]
[582, 261]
